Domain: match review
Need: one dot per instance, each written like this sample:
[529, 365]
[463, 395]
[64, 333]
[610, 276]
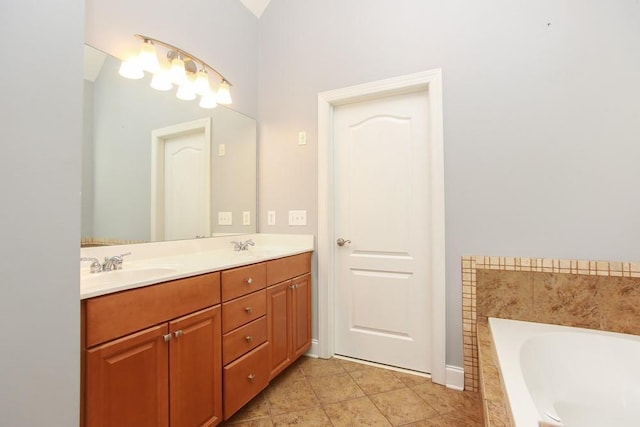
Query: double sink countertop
[157, 262]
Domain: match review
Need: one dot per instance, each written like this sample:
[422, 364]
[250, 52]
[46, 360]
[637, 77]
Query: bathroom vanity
[192, 345]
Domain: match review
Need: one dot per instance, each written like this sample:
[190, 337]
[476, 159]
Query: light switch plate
[246, 218]
[225, 218]
[298, 217]
[302, 138]
[222, 150]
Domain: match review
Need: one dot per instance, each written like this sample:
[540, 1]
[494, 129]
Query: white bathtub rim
[508, 337]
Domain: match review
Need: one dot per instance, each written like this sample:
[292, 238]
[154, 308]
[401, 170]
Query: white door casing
[431, 81]
[381, 196]
[181, 181]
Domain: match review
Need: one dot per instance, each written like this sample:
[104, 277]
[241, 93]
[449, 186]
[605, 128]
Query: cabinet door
[127, 381]
[278, 330]
[300, 315]
[196, 369]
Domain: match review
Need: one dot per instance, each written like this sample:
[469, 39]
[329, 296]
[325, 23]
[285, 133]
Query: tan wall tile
[503, 294]
[619, 299]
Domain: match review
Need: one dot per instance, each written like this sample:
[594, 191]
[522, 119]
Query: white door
[382, 212]
[181, 181]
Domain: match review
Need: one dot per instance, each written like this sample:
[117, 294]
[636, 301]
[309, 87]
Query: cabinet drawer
[243, 280]
[118, 314]
[245, 338]
[243, 310]
[245, 378]
[281, 269]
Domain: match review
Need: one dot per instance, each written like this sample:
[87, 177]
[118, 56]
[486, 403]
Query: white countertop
[157, 262]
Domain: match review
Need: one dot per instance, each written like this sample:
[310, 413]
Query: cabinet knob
[251, 377]
[178, 333]
[249, 338]
[167, 338]
[249, 281]
[293, 286]
[248, 309]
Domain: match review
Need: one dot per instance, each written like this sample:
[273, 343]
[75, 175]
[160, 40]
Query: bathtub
[566, 376]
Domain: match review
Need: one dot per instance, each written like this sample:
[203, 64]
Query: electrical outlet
[246, 218]
[298, 217]
[302, 138]
[222, 150]
[271, 217]
[225, 218]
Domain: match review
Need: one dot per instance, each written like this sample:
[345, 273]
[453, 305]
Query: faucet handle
[96, 267]
[117, 260]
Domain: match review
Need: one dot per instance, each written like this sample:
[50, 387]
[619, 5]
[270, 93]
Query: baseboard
[454, 377]
[313, 351]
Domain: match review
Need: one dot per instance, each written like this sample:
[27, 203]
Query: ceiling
[256, 6]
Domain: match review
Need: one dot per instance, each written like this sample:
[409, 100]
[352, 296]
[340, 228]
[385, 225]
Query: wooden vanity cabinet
[153, 355]
[288, 310]
[244, 339]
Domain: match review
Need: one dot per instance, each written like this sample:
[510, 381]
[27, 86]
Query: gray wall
[41, 106]
[541, 116]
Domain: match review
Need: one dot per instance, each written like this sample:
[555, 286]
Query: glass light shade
[148, 58]
[161, 81]
[177, 72]
[208, 101]
[186, 92]
[201, 85]
[224, 96]
[130, 69]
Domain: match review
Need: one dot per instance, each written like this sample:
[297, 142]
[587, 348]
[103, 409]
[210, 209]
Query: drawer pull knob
[167, 337]
[248, 309]
[249, 338]
[251, 377]
[293, 286]
[178, 333]
[249, 281]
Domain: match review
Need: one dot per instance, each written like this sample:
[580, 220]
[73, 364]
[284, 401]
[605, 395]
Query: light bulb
[201, 85]
[161, 80]
[130, 69]
[208, 100]
[186, 92]
[224, 96]
[177, 72]
[148, 58]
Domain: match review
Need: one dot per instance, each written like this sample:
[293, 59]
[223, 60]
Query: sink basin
[127, 275]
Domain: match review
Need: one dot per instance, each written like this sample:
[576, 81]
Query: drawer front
[244, 339]
[243, 280]
[244, 379]
[118, 314]
[243, 310]
[281, 269]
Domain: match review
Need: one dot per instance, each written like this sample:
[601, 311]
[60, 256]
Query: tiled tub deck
[590, 294]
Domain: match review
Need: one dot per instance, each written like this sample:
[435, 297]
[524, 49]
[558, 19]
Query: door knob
[341, 241]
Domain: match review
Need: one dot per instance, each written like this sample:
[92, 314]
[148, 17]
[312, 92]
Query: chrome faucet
[242, 246]
[114, 262]
[109, 264]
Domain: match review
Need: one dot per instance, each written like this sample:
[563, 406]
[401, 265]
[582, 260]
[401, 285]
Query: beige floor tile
[355, 412]
[287, 397]
[315, 417]
[312, 367]
[411, 379]
[445, 400]
[257, 408]
[448, 420]
[335, 388]
[402, 406]
[257, 422]
[376, 380]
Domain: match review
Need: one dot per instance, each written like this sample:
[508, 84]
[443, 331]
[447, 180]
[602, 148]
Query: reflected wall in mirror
[119, 118]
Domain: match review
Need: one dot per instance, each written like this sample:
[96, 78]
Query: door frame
[432, 82]
[158, 139]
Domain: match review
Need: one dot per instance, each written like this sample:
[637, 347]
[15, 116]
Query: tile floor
[335, 392]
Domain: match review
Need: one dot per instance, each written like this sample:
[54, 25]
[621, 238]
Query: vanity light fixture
[180, 68]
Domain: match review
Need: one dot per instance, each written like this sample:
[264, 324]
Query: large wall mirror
[126, 166]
